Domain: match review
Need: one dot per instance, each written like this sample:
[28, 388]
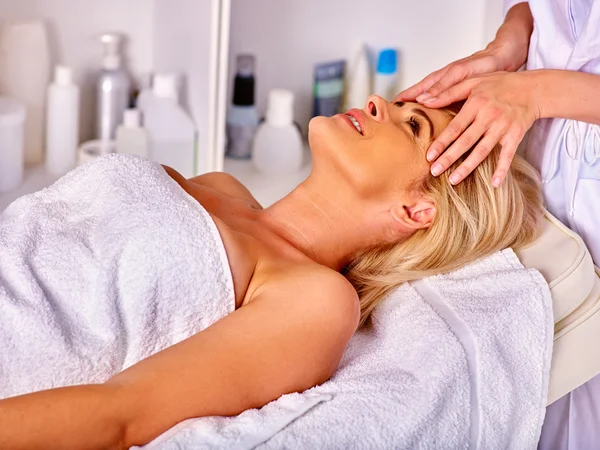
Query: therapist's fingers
[509, 143]
[478, 154]
[459, 147]
[410, 94]
[478, 64]
[455, 128]
[456, 93]
[456, 73]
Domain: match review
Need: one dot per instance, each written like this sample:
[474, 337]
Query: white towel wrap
[111, 264]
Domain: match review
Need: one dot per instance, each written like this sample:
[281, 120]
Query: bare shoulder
[317, 308]
[221, 182]
[324, 295]
[226, 184]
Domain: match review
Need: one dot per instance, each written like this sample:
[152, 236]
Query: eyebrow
[421, 113]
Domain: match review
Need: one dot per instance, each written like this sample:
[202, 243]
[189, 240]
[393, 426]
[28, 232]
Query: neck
[329, 229]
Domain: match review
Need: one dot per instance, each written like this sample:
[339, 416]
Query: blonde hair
[473, 220]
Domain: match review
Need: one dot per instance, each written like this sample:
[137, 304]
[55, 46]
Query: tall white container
[62, 122]
[12, 119]
[359, 83]
[25, 74]
[277, 147]
[171, 130]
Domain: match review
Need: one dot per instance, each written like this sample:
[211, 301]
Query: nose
[376, 108]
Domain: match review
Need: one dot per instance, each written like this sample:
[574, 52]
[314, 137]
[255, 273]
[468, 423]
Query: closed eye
[416, 122]
[415, 125]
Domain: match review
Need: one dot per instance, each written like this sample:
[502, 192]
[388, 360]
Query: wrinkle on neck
[330, 229]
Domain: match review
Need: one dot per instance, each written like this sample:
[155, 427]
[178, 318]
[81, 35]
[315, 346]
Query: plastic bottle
[12, 121]
[278, 145]
[113, 88]
[359, 83]
[242, 118]
[62, 122]
[24, 75]
[328, 88]
[386, 77]
[131, 137]
[170, 129]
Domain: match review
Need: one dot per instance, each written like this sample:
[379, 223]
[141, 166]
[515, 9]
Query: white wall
[493, 18]
[289, 37]
[73, 26]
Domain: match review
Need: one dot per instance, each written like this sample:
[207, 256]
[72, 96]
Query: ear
[414, 215]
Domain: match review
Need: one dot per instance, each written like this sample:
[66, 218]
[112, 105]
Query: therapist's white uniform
[566, 35]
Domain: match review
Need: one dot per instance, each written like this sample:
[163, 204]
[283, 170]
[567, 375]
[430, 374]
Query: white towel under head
[111, 264]
[458, 361]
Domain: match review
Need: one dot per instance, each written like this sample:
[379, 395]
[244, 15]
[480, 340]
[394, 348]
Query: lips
[356, 116]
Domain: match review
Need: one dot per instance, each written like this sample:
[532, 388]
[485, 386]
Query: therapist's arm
[507, 52]
[569, 95]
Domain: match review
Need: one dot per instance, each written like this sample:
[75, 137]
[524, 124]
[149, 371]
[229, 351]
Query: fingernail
[496, 182]
[436, 170]
[431, 154]
[454, 178]
[423, 97]
[430, 100]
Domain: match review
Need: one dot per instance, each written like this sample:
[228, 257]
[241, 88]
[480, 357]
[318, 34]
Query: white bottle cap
[63, 76]
[132, 118]
[280, 111]
[164, 85]
[111, 59]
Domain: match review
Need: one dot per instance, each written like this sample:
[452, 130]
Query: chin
[318, 125]
[324, 134]
[317, 133]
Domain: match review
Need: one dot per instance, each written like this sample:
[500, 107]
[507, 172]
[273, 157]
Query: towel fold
[455, 361]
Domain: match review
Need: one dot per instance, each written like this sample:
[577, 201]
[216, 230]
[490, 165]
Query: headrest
[563, 259]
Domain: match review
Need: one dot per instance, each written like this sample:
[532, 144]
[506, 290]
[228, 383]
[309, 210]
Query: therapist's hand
[500, 108]
[486, 61]
[507, 52]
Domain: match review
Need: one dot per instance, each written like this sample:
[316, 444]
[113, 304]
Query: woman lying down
[245, 303]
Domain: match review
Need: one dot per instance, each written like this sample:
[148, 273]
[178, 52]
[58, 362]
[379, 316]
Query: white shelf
[267, 189]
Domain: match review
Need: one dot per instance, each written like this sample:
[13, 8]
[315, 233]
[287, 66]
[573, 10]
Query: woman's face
[385, 155]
